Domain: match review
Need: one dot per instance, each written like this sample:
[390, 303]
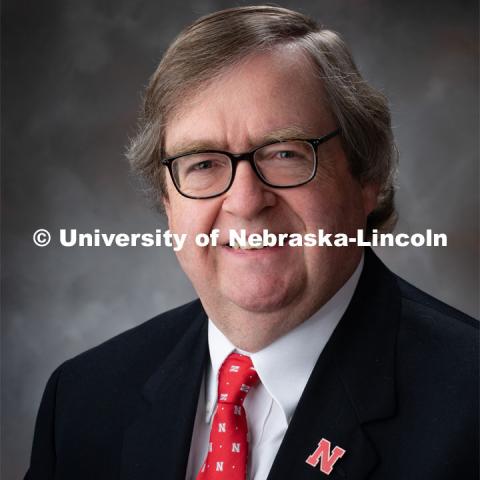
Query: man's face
[267, 94]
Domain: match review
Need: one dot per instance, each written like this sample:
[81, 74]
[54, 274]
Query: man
[299, 362]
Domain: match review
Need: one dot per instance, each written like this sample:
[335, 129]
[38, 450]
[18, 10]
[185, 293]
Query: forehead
[267, 92]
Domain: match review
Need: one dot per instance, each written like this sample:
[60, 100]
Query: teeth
[246, 246]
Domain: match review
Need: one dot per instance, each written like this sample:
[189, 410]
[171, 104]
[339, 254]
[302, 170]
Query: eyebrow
[279, 135]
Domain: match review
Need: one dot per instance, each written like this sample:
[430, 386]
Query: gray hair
[215, 42]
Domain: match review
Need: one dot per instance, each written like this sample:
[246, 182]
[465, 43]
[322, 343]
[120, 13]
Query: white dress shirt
[284, 368]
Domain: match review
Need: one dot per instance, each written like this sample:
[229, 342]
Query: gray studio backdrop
[72, 76]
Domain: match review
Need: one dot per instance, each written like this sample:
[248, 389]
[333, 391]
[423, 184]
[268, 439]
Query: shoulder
[133, 355]
[419, 313]
[427, 318]
[435, 345]
[437, 354]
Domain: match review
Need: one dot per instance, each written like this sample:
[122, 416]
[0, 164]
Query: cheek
[319, 209]
[191, 217]
[334, 207]
[182, 220]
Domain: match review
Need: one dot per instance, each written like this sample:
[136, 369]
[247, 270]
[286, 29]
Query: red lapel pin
[322, 454]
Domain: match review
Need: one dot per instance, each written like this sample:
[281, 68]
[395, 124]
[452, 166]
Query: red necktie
[228, 447]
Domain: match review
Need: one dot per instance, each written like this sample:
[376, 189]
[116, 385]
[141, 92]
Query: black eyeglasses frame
[249, 156]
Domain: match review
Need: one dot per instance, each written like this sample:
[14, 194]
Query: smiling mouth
[256, 240]
[235, 245]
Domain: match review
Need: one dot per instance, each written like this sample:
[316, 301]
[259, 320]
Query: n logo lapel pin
[322, 454]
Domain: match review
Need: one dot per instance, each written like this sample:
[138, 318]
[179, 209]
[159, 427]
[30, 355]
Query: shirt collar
[285, 365]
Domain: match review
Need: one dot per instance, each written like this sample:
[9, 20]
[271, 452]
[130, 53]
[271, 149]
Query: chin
[261, 300]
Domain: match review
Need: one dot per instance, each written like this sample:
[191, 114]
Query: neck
[253, 331]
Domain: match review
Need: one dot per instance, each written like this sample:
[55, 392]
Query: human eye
[286, 154]
[201, 164]
[284, 151]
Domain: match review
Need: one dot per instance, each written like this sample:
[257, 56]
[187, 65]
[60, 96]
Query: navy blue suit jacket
[396, 387]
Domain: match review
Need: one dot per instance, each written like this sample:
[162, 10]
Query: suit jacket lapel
[352, 384]
[157, 444]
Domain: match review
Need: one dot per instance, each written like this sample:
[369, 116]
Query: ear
[166, 206]
[165, 197]
[370, 193]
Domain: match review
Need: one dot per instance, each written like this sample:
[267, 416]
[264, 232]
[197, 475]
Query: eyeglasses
[208, 174]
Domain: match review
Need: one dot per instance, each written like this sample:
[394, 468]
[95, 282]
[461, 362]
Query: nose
[248, 196]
